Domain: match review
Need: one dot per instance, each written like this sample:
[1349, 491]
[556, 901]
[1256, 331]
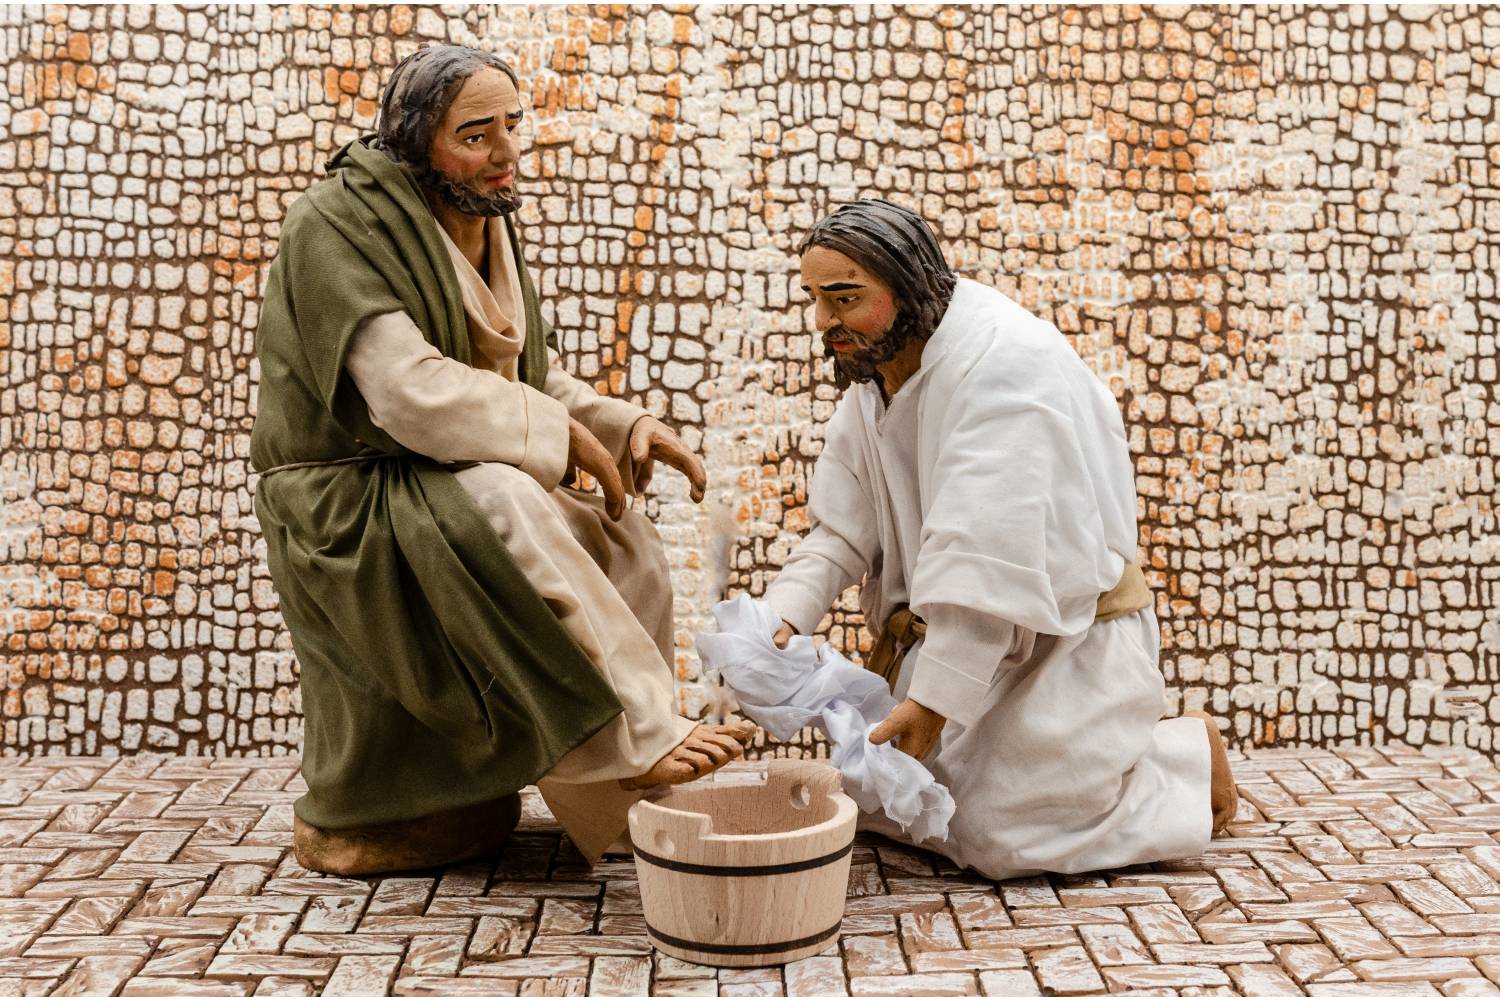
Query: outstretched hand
[650, 440]
[587, 454]
[913, 726]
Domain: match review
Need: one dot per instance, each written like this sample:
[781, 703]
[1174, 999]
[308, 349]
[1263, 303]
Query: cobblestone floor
[1353, 872]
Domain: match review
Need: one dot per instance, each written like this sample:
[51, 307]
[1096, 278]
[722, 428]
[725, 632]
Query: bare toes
[700, 762]
[681, 769]
[742, 731]
[726, 744]
[716, 754]
[706, 749]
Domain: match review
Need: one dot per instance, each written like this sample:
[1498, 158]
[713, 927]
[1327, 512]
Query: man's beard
[862, 365]
[469, 198]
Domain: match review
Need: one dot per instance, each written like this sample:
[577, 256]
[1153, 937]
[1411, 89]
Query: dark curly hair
[418, 94]
[897, 246]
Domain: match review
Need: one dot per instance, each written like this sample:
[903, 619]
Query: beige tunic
[607, 581]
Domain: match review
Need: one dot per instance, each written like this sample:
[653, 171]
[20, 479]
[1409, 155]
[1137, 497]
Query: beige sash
[1130, 594]
[903, 629]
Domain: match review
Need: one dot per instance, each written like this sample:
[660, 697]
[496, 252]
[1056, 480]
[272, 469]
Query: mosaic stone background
[1272, 230]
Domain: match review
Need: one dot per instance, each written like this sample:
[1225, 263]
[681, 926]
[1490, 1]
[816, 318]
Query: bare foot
[706, 749]
[1224, 796]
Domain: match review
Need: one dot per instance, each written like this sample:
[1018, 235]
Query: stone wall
[1271, 230]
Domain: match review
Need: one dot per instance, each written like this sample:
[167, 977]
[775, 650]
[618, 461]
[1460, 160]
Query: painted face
[476, 147]
[862, 321]
[853, 309]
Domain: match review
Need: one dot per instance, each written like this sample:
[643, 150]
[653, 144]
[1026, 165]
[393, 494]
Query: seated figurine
[976, 480]
[465, 625]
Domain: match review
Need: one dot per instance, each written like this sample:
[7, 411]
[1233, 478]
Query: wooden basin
[748, 866]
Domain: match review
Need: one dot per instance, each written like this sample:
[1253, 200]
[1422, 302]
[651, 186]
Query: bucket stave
[749, 866]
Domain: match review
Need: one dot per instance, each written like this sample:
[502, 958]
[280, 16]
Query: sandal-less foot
[706, 749]
[1224, 795]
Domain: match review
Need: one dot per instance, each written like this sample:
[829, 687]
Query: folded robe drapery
[805, 684]
[433, 675]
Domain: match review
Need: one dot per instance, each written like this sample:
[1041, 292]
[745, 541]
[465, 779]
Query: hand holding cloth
[803, 684]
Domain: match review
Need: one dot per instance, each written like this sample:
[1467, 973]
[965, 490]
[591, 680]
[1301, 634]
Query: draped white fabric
[995, 496]
[787, 689]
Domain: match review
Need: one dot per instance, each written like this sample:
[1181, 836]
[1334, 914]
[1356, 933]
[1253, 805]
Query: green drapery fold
[433, 675]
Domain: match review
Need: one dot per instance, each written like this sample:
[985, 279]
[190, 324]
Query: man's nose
[506, 152]
[823, 317]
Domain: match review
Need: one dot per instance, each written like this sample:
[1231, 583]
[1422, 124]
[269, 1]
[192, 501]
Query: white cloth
[806, 684]
[995, 496]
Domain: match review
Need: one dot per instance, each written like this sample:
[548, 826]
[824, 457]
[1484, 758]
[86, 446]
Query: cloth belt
[903, 629]
[358, 460]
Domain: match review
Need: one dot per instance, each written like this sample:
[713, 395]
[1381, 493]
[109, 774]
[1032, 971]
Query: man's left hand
[914, 727]
[650, 439]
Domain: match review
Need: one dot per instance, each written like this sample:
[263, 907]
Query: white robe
[995, 496]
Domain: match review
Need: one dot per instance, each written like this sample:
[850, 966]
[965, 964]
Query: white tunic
[995, 496]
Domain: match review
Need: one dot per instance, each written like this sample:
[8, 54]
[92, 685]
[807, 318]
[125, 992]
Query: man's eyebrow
[475, 121]
[836, 286]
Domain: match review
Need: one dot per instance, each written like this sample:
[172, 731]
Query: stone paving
[1349, 872]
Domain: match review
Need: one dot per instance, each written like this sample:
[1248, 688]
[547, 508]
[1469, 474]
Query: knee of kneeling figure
[521, 481]
[1028, 844]
[509, 484]
[997, 849]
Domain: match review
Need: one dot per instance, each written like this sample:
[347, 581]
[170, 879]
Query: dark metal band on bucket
[770, 948]
[743, 871]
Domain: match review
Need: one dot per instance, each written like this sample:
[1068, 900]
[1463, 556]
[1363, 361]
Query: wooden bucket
[748, 866]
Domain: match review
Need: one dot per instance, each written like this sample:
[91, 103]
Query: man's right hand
[586, 454]
[783, 635]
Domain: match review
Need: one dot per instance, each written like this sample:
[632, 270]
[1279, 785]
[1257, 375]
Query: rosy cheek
[875, 318]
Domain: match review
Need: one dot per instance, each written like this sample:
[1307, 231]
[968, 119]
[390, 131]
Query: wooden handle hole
[801, 796]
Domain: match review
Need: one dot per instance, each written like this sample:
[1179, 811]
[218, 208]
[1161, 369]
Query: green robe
[433, 675]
